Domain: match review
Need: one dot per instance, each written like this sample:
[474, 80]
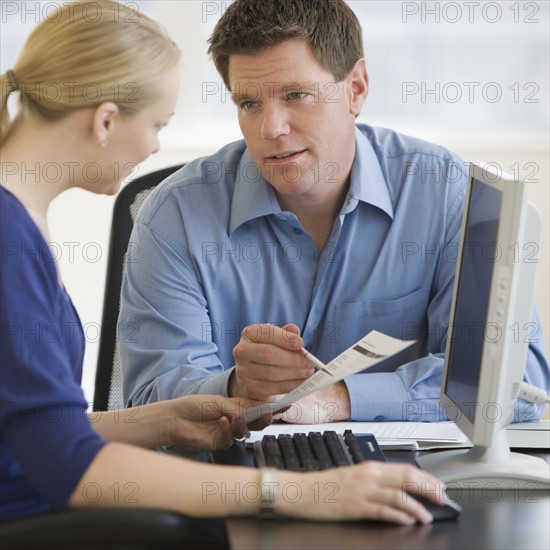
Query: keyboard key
[288, 452]
[303, 449]
[363, 447]
[353, 447]
[273, 456]
[320, 451]
[339, 455]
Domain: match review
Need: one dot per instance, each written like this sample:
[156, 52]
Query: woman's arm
[198, 422]
[122, 475]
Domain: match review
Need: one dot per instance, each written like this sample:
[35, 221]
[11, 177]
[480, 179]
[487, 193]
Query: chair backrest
[108, 380]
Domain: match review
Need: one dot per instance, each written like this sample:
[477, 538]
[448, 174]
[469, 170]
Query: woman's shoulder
[15, 221]
[25, 255]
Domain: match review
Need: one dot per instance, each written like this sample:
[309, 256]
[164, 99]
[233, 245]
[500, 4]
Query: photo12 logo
[212, 11]
[471, 92]
[50, 12]
[470, 12]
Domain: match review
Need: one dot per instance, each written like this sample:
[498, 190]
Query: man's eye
[248, 105]
[295, 96]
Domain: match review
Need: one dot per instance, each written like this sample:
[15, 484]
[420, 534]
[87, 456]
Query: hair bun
[13, 81]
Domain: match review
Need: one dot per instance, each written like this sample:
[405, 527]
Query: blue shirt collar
[254, 197]
[367, 183]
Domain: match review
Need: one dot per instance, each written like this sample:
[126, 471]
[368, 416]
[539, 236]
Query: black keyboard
[320, 451]
[315, 451]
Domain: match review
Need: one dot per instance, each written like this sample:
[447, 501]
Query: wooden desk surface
[492, 519]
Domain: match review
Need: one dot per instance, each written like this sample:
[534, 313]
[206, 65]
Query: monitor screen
[484, 362]
[469, 328]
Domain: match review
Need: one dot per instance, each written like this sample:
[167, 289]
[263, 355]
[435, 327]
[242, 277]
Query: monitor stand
[493, 467]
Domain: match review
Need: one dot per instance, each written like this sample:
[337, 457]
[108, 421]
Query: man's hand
[331, 404]
[268, 362]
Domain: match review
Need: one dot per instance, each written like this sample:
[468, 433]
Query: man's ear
[103, 121]
[358, 86]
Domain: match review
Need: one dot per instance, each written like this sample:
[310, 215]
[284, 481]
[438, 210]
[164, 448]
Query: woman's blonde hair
[86, 53]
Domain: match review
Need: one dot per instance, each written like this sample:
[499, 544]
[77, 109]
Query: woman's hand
[210, 421]
[371, 490]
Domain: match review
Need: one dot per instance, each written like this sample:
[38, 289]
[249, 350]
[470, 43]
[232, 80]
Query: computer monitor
[487, 337]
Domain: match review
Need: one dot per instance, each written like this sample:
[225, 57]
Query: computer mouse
[450, 510]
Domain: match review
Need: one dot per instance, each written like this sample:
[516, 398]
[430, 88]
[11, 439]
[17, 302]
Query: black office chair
[108, 381]
[111, 529]
[105, 529]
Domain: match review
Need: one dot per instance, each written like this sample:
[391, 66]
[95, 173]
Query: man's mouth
[283, 156]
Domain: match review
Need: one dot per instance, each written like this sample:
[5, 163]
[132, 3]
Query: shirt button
[298, 231]
[309, 347]
[378, 418]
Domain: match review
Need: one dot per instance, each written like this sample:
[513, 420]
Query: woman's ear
[103, 122]
[359, 86]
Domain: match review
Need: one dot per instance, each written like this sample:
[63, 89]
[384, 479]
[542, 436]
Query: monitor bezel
[502, 360]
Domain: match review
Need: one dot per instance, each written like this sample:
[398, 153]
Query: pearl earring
[104, 143]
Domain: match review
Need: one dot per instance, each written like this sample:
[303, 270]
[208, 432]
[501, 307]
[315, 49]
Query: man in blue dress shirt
[310, 232]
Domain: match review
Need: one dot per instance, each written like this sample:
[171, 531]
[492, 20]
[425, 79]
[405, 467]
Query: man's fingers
[268, 361]
[291, 332]
[287, 337]
[273, 363]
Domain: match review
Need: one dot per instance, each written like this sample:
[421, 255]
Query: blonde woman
[97, 91]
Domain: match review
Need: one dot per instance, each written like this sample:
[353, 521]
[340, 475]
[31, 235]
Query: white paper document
[398, 435]
[530, 435]
[372, 349]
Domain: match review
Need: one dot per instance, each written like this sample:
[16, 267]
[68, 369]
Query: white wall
[421, 57]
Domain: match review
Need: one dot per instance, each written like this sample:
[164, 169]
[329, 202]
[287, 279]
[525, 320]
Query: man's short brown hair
[329, 26]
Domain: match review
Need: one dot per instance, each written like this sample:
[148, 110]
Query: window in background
[436, 68]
